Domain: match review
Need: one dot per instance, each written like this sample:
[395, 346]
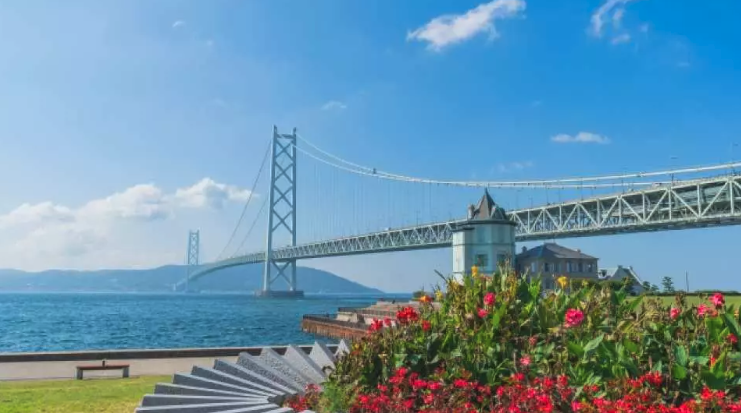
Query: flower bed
[500, 344]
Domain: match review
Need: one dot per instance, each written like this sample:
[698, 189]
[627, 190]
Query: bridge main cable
[564, 183]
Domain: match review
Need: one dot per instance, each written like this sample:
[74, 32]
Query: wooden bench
[103, 366]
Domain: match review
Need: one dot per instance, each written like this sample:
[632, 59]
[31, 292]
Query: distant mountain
[236, 279]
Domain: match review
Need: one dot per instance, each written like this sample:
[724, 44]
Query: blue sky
[124, 124]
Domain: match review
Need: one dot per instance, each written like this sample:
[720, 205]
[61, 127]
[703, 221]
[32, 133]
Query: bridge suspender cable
[246, 205]
[252, 226]
[552, 183]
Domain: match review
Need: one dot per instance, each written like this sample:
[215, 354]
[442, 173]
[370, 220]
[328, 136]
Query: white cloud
[581, 137]
[94, 235]
[178, 23]
[209, 193]
[334, 105]
[620, 39]
[143, 202]
[514, 166]
[33, 214]
[611, 9]
[450, 29]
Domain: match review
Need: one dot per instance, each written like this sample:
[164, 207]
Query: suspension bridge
[410, 209]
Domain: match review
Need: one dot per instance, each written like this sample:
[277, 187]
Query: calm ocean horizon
[99, 321]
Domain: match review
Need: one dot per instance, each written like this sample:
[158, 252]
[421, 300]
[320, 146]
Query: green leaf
[630, 346]
[634, 303]
[712, 381]
[732, 324]
[678, 372]
[658, 366]
[680, 355]
[575, 349]
[593, 344]
[719, 367]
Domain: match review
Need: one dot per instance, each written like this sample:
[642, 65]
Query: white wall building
[486, 239]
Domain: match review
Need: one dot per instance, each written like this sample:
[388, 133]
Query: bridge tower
[194, 247]
[282, 214]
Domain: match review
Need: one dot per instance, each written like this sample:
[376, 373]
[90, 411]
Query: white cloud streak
[514, 166]
[581, 137]
[334, 105]
[451, 29]
[620, 39]
[178, 23]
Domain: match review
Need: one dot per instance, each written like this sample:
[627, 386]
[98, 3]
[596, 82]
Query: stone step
[304, 364]
[168, 388]
[195, 381]
[258, 366]
[176, 399]
[234, 407]
[283, 365]
[223, 377]
[322, 356]
[241, 372]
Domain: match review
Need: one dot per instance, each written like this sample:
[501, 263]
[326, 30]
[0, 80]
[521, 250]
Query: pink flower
[576, 406]
[731, 338]
[702, 309]
[489, 299]
[674, 313]
[718, 300]
[525, 361]
[574, 317]
[483, 313]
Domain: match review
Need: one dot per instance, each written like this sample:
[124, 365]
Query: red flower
[574, 317]
[483, 313]
[426, 325]
[401, 372]
[525, 361]
[702, 309]
[489, 299]
[460, 383]
[576, 406]
[434, 385]
[419, 384]
[731, 338]
[407, 315]
[718, 300]
[674, 313]
[712, 361]
[375, 325]
[387, 322]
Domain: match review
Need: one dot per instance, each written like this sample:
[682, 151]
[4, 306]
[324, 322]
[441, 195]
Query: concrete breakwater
[351, 322]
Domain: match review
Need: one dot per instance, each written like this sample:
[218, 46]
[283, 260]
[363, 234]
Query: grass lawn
[735, 301]
[76, 396]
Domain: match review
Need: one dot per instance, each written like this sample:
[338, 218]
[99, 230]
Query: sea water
[87, 321]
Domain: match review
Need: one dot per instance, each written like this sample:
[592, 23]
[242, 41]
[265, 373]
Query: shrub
[494, 339]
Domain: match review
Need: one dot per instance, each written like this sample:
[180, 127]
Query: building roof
[553, 251]
[487, 209]
[608, 273]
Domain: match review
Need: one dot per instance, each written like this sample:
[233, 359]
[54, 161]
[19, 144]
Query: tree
[646, 286]
[654, 288]
[668, 284]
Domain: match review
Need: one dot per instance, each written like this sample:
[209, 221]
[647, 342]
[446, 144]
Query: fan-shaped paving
[254, 384]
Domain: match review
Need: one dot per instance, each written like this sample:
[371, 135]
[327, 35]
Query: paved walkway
[38, 370]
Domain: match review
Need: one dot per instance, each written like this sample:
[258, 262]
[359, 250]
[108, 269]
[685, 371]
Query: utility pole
[687, 280]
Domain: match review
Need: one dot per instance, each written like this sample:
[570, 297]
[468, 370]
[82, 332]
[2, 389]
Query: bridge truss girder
[685, 205]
